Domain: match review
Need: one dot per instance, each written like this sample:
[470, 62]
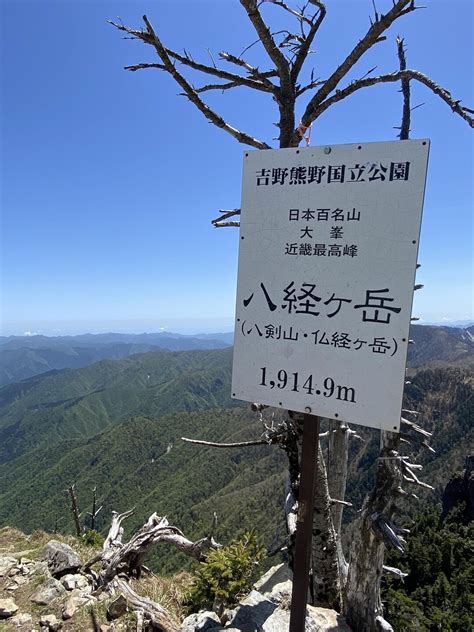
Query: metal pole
[304, 526]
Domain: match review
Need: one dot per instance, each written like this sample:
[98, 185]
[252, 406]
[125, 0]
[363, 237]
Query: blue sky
[110, 180]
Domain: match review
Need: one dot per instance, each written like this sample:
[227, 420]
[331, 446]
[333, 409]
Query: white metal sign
[328, 248]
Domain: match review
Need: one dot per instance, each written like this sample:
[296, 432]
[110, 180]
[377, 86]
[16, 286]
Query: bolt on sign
[328, 249]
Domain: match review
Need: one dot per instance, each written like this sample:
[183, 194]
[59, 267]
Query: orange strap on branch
[302, 129]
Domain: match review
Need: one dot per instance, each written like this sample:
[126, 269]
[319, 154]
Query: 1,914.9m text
[293, 382]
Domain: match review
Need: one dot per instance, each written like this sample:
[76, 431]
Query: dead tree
[74, 510]
[95, 512]
[118, 561]
[287, 52]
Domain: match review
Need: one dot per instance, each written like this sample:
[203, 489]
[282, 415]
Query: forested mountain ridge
[441, 346]
[76, 403]
[22, 357]
[116, 425]
[143, 463]
[444, 398]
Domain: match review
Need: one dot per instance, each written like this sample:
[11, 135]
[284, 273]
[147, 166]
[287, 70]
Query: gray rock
[326, 620]
[6, 564]
[70, 582]
[22, 618]
[281, 593]
[51, 589]
[278, 620]
[252, 612]
[61, 558]
[117, 608]
[75, 601]
[40, 567]
[202, 621]
[276, 575]
[49, 621]
[26, 560]
[7, 608]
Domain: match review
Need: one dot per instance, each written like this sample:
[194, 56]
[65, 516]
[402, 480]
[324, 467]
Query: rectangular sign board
[327, 259]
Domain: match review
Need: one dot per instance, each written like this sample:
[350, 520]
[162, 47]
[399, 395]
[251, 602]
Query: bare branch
[300, 16]
[252, 70]
[214, 65]
[285, 94]
[220, 222]
[405, 126]
[260, 82]
[415, 427]
[394, 571]
[373, 35]
[267, 40]
[444, 94]
[309, 86]
[216, 86]
[114, 537]
[74, 509]
[305, 46]
[238, 444]
[135, 67]
[387, 530]
[227, 224]
[335, 501]
[382, 625]
[158, 616]
[187, 60]
[412, 477]
[151, 38]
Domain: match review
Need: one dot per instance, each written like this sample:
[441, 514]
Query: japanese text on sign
[326, 277]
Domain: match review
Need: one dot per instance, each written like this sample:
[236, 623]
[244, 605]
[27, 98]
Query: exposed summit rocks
[61, 558]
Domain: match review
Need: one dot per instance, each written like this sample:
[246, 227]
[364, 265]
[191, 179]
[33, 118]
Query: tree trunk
[325, 581]
[362, 606]
[338, 450]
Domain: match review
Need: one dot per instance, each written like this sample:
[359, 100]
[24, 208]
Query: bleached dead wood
[391, 570]
[147, 610]
[117, 557]
[75, 511]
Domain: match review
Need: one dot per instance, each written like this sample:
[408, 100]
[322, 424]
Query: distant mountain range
[117, 424]
[441, 346]
[74, 403]
[22, 357]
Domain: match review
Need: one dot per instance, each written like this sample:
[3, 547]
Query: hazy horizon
[183, 326]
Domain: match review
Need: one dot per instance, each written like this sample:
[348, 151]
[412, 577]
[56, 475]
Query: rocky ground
[42, 588]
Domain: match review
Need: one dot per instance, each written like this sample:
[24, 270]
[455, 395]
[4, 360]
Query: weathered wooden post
[304, 528]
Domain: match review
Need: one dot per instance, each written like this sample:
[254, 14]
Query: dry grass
[169, 592]
[14, 542]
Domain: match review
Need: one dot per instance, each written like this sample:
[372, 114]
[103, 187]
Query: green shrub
[226, 575]
[93, 538]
